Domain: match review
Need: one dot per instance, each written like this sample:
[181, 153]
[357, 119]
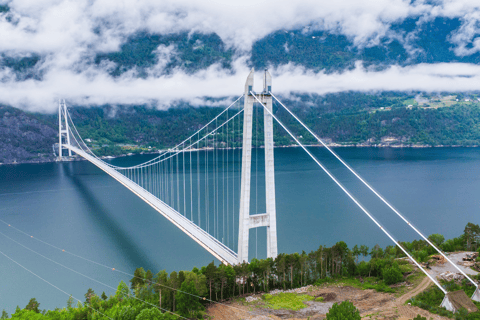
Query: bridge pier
[268, 219]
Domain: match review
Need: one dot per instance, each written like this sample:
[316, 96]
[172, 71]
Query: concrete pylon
[268, 219]
[63, 129]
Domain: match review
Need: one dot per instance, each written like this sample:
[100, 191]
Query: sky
[67, 34]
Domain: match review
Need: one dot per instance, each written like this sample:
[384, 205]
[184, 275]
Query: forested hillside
[345, 118]
[351, 118]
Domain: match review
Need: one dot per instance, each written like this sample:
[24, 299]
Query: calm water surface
[78, 207]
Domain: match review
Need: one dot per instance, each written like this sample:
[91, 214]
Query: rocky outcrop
[24, 137]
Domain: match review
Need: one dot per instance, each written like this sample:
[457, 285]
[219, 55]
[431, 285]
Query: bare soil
[371, 304]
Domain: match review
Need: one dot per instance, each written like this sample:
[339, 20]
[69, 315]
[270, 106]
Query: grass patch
[291, 301]
[406, 268]
[369, 283]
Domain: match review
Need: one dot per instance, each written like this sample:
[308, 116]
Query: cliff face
[24, 137]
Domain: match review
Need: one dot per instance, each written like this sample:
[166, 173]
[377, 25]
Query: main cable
[373, 190]
[348, 193]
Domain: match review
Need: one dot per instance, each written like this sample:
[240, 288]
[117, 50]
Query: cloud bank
[67, 34]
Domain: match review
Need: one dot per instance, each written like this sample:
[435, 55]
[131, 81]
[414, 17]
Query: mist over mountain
[337, 64]
[142, 52]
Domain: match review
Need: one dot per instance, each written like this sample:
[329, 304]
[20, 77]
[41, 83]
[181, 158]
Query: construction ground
[370, 303]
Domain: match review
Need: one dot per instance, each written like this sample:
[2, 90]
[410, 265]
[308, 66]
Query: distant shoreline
[331, 145]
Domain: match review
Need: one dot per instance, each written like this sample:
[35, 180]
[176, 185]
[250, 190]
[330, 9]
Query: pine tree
[4, 315]
[89, 295]
[33, 305]
[187, 301]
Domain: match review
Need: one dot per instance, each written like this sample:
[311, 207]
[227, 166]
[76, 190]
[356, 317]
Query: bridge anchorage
[204, 200]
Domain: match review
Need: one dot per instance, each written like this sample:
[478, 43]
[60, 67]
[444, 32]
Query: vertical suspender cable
[172, 198]
[214, 184]
[228, 193]
[198, 179]
[216, 179]
[207, 220]
[177, 173]
[217, 187]
[372, 189]
[256, 178]
[350, 196]
[223, 185]
[184, 194]
[191, 189]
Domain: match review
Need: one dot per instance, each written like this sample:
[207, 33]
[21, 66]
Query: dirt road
[398, 310]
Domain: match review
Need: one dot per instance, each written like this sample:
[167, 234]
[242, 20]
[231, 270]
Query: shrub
[363, 268]
[421, 256]
[419, 317]
[150, 314]
[406, 268]
[437, 239]
[343, 311]
[392, 275]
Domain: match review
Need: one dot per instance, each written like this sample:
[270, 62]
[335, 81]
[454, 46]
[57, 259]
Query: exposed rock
[24, 138]
[449, 276]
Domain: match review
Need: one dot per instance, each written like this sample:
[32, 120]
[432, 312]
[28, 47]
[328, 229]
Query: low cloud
[95, 87]
[67, 34]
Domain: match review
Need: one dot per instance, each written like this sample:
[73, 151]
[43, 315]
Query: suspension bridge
[197, 188]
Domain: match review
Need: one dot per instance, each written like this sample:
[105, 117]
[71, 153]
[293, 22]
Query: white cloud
[96, 87]
[68, 34]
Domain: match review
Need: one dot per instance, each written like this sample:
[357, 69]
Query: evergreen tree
[89, 295]
[188, 303]
[138, 279]
[70, 302]
[173, 283]
[122, 291]
[210, 273]
[160, 280]
[33, 305]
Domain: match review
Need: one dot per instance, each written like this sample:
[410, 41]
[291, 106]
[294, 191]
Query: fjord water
[77, 207]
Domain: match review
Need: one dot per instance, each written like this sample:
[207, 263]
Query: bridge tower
[63, 129]
[250, 221]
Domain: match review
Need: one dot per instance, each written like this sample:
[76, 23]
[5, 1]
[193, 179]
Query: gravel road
[455, 258]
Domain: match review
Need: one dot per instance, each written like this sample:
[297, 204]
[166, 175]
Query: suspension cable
[107, 267]
[373, 190]
[348, 193]
[83, 275]
[36, 275]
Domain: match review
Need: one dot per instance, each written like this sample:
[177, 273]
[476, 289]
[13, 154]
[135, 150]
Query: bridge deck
[207, 241]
